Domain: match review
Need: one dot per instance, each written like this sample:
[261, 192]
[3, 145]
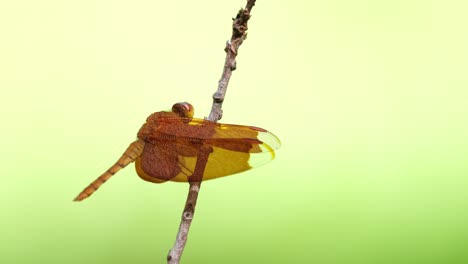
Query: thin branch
[239, 34]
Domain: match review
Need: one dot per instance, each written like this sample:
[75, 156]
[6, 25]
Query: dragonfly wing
[234, 148]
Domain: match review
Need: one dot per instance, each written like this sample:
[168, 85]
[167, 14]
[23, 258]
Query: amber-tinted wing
[235, 148]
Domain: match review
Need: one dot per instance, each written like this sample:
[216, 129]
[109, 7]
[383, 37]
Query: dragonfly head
[183, 109]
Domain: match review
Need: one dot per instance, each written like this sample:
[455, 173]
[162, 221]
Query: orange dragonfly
[174, 146]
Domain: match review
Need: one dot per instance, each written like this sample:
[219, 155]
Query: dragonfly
[175, 146]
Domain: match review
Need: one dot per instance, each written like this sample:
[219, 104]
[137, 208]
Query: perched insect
[174, 146]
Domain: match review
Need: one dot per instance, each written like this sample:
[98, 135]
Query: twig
[239, 33]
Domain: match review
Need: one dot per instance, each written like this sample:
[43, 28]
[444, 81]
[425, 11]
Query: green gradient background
[369, 99]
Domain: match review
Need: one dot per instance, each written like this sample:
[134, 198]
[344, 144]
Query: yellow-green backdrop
[368, 97]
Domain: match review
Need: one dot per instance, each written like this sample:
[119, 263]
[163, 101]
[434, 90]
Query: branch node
[187, 216]
[228, 46]
[218, 98]
[233, 65]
